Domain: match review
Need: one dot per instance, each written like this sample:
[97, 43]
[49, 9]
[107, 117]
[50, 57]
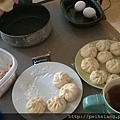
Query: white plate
[37, 81]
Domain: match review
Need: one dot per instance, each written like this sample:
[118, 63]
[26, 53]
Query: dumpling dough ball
[112, 77]
[98, 77]
[115, 48]
[56, 104]
[88, 50]
[36, 105]
[104, 56]
[113, 66]
[89, 64]
[70, 92]
[6, 5]
[103, 45]
[60, 79]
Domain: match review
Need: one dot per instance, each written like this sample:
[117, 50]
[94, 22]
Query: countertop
[63, 43]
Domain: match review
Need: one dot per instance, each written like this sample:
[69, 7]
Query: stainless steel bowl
[26, 25]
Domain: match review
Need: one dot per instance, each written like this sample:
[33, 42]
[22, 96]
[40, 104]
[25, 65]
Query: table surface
[63, 43]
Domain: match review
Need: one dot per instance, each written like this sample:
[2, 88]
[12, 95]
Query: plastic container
[76, 18]
[6, 81]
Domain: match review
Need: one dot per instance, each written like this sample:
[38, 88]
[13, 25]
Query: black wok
[26, 25]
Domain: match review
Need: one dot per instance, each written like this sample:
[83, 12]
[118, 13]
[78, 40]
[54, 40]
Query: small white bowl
[6, 81]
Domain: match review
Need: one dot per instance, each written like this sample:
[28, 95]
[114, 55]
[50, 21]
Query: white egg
[79, 6]
[89, 12]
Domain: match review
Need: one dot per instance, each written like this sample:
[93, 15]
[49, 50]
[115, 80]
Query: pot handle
[40, 59]
[98, 4]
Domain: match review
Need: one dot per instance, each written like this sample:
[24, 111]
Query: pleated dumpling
[115, 48]
[88, 50]
[112, 77]
[113, 66]
[70, 92]
[56, 104]
[98, 77]
[104, 56]
[103, 45]
[36, 105]
[60, 79]
[89, 64]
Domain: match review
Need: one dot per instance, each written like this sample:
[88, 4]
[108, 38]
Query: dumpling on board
[103, 45]
[104, 56]
[98, 77]
[113, 66]
[112, 77]
[60, 79]
[89, 64]
[115, 48]
[36, 105]
[69, 92]
[88, 50]
[56, 104]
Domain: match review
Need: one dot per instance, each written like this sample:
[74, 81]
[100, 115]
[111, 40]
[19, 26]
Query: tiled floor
[113, 13]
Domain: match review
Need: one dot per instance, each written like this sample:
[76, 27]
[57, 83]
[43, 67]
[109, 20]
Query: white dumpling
[115, 48]
[60, 79]
[103, 45]
[88, 50]
[56, 104]
[112, 77]
[104, 56]
[36, 105]
[89, 64]
[98, 77]
[6, 5]
[113, 66]
[70, 92]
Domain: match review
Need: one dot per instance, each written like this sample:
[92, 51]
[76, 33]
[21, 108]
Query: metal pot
[26, 25]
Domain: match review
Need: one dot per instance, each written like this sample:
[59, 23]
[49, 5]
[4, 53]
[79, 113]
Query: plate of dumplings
[45, 90]
[98, 62]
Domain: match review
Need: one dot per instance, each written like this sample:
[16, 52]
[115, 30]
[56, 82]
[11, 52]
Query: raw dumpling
[6, 5]
[113, 66]
[104, 56]
[89, 64]
[98, 77]
[56, 104]
[103, 45]
[112, 77]
[36, 105]
[60, 79]
[115, 48]
[88, 50]
[70, 92]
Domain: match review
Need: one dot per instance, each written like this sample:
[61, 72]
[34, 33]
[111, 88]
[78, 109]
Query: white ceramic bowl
[6, 81]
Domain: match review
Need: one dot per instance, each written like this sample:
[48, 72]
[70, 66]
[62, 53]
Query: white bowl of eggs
[82, 13]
